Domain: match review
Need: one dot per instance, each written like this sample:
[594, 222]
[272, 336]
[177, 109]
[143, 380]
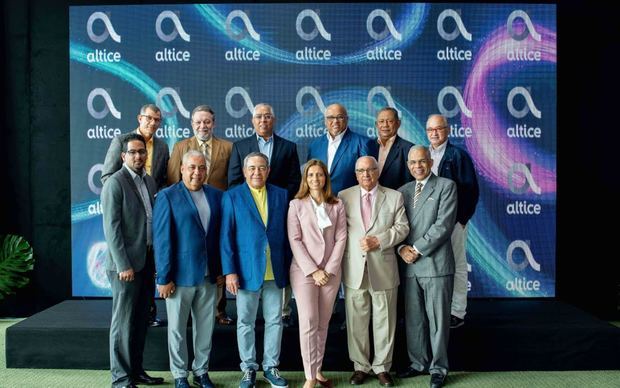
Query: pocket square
[430, 199]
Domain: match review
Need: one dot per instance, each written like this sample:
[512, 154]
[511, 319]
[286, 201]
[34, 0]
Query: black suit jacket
[284, 163]
[457, 165]
[395, 172]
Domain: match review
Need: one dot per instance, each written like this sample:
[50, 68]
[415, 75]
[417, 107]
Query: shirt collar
[133, 174]
[338, 137]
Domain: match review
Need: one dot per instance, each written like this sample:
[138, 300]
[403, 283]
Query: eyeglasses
[436, 129]
[266, 116]
[414, 162]
[204, 122]
[259, 168]
[338, 118]
[142, 152]
[366, 170]
[151, 118]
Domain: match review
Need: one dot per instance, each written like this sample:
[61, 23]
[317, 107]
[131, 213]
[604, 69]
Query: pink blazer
[312, 249]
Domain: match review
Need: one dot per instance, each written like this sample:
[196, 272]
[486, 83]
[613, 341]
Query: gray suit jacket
[431, 223]
[388, 223]
[124, 221]
[159, 160]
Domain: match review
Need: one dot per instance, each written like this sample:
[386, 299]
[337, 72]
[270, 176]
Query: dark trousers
[130, 307]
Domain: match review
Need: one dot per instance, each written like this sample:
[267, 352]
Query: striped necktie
[418, 191]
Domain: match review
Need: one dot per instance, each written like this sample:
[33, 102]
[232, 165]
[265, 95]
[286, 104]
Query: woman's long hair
[304, 190]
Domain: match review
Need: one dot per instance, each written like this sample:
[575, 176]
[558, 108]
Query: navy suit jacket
[183, 249]
[352, 146]
[395, 172]
[284, 163]
[244, 237]
[457, 165]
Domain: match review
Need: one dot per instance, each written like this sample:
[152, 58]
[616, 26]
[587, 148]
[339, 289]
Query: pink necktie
[366, 210]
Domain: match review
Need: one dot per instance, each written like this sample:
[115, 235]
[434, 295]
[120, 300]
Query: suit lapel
[394, 150]
[275, 151]
[427, 190]
[375, 209]
[342, 149]
[215, 155]
[190, 202]
[133, 186]
[250, 203]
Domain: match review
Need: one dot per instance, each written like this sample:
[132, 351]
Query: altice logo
[389, 26]
[460, 27]
[529, 26]
[168, 91]
[238, 113]
[529, 257]
[249, 28]
[318, 26]
[525, 171]
[109, 29]
[529, 103]
[317, 98]
[382, 91]
[460, 103]
[109, 105]
[178, 27]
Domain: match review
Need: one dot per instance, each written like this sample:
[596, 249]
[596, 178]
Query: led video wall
[490, 68]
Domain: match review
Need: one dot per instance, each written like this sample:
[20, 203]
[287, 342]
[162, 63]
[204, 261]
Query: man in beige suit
[377, 223]
[217, 153]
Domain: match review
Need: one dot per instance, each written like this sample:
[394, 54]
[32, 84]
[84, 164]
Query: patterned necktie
[204, 148]
[366, 210]
[418, 191]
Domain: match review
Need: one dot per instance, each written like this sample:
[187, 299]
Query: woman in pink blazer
[317, 231]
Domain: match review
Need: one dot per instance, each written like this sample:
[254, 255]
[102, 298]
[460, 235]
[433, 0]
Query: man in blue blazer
[281, 153]
[255, 259]
[186, 230]
[455, 163]
[393, 150]
[340, 148]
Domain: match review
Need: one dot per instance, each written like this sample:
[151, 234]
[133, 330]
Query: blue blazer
[183, 249]
[395, 172]
[244, 237]
[342, 172]
[457, 165]
[284, 163]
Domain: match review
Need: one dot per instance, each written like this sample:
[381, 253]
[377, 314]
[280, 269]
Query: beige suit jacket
[388, 223]
[218, 171]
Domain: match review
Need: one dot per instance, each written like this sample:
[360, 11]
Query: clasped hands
[409, 254]
[320, 277]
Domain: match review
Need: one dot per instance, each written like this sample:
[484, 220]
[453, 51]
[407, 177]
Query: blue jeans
[247, 307]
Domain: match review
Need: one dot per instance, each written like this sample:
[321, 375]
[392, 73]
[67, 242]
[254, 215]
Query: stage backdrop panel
[490, 68]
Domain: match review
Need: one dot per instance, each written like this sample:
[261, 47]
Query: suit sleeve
[335, 259]
[468, 191]
[112, 203]
[295, 237]
[441, 229]
[399, 229]
[294, 173]
[163, 238]
[227, 237]
[235, 167]
[174, 165]
[368, 147]
[112, 161]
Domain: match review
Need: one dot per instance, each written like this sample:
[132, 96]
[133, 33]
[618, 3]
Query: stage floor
[499, 335]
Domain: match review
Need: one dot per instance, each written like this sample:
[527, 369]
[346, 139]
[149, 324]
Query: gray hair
[443, 118]
[252, 155]
[203, 108]
[266, 106]
[191, 154]
[419, 147]
[152, 107]
[374, 161]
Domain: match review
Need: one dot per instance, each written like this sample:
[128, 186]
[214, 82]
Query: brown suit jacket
[218, 171]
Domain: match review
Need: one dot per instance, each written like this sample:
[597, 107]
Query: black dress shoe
[203, 381]
[385, 379]
[224, 320]
[156, 322]
[410, 372]
[358, 377]
[130, 386]
[288, 321]
[437, 380]
[181, 382]
[143, 378]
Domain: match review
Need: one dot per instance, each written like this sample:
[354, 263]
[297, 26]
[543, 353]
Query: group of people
[368, 214]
